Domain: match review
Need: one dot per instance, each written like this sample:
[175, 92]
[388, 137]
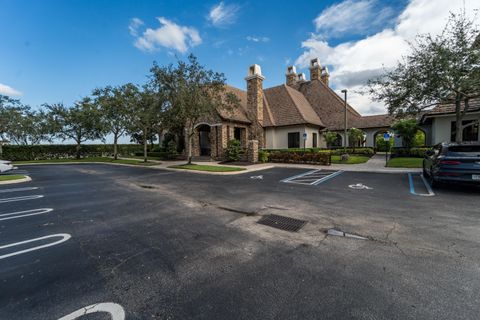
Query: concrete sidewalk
[375, 164]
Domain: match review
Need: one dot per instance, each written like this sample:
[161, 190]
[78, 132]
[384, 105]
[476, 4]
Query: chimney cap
[291, 70]
[314, 63]
[301, 77]
[254, 71]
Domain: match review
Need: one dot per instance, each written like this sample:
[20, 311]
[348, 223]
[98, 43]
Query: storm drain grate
[282, 222]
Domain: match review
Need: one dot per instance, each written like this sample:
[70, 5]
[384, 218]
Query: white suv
[5, 166]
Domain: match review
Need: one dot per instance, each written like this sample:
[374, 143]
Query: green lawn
[405, 162]
[200, 167]
[11, 177]
[353, 159]
[92, 159]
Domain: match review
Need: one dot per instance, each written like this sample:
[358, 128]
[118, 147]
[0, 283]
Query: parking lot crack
[389, 233]
[122, 262]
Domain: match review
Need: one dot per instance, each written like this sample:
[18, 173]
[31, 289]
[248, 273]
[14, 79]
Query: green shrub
[263, 156]
[171, 148]
[233, 151]
[409, 152]
[300, 157]
[64, 151]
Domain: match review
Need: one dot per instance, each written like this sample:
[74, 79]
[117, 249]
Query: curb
[26, 179]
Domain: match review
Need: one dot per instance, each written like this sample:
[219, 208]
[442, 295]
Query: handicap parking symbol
[360, 186]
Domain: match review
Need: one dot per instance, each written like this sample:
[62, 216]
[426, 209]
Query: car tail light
[450, 162]
[451, 174]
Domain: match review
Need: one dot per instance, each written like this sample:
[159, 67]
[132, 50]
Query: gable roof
[287, 106]
[236, 114]
[310, 102]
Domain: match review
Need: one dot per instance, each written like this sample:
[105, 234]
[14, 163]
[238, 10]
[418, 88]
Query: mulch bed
[237, 163]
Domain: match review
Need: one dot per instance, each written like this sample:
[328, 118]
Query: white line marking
[115, 310]
[26, 213]
[37, 196]
[65, 237]
[427, 186]
[330, 176]
[18, 189]
[299, 175]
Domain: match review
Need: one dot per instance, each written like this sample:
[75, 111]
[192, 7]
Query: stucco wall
[441, 127]
[277, 138]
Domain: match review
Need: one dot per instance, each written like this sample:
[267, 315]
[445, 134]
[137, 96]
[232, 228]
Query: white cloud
[257, 39]
[169, 35]
[352, 16]
[222, 15]
[135, 24]
[9, 91]
[352, 63]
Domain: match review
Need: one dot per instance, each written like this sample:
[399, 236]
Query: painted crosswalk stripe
[26, 213]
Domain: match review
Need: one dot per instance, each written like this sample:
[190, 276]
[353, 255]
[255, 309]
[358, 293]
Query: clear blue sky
[59, 50]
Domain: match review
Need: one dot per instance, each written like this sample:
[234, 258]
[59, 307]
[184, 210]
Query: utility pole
[345, 140]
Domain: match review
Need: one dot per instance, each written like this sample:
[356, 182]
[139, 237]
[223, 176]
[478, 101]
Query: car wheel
[425, 174]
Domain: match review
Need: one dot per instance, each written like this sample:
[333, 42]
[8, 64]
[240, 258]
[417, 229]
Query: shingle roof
[289, 107]
[236, 114]
[449, 108]
[310, 102]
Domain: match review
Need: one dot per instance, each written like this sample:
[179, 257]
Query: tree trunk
[115, 147]
[458, 122]
[190, 137]
[77, 150]
[145, 145]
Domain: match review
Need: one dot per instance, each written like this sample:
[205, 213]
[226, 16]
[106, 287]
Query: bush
[366, 151]
[233, 151]
[64, 151]
[263, 156]
[409, 152]
[300, 157]
[171, 148]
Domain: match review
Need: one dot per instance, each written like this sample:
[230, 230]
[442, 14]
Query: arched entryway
[204, 140]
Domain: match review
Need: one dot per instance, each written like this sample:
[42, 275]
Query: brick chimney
[291, 76]
[255, 93]
[315, 69]
[325, 75]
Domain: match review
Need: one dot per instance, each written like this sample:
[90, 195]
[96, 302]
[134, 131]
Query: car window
[464, 151]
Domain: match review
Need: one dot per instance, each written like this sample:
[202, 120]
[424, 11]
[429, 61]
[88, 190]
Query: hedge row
[62, 151]
[322, 158]
[337, 151]
[409, 152]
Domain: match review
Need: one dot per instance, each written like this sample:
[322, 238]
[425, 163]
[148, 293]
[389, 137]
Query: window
[470, 130]
[314, 143]
[294, 140]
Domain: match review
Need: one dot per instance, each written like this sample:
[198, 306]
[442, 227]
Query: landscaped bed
[11, 177]
[405, 162]
[199, 167]
[352, 159]
[92, 159]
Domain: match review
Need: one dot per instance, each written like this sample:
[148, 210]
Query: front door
[205, 148]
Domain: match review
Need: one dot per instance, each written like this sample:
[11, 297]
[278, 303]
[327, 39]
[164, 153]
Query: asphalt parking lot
[110, 241]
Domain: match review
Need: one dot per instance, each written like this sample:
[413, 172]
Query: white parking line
[37, 196]
[314, 177]
[65, 237]
[299, 175]
[427, 186]
[114, 309]
[26, 213]
[18, 189]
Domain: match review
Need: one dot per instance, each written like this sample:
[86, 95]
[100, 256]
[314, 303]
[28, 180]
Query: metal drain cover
[282, 222]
